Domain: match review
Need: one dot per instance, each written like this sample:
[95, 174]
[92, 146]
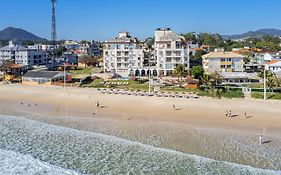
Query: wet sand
[200, 127]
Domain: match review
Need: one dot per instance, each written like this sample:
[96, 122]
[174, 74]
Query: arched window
[155, 73]
[137, 73]
[143, 73]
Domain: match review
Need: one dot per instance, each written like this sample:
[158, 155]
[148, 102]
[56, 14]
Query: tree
[179, 71]
[150, 42]
[190, 36]
[60, 50]
[87, 59]
[196, 60]
[198, 54]
[217, 92]
[215, 78]
[270, 83]
[213, 40]
[206, 81]
[197, 72]
[6, 66]
[277, 81]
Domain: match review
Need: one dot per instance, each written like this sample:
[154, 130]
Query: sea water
[48, 149]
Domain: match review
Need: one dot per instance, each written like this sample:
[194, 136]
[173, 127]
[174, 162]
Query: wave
[16, 163]
[92, 153]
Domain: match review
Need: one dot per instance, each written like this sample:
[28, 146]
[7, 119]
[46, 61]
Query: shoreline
[200, 128]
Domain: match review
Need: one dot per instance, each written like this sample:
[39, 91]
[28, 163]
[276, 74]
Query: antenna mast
[53, 31]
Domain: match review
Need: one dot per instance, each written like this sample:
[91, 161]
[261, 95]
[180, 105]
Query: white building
[221, 61]
[170, 50]
[71, 45]
[274, 66]
[23, 56]
[123, 54]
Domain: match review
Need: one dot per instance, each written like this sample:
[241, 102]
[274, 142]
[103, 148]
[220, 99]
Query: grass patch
[233, 94]
[132, 85]
[273, 96]
[225, 94]
[81, 70]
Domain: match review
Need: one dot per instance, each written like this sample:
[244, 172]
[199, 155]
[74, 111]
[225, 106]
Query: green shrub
[233, 94]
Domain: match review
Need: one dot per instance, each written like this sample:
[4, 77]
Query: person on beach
[226, 113]
[174, 106]
[98, 104]
[229, 114]
[261, 139]
[245, 114]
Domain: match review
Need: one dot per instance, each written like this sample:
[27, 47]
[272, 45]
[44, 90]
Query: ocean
[31, 147]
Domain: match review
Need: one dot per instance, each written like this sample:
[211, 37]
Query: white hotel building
[123, 54]
[170, 50]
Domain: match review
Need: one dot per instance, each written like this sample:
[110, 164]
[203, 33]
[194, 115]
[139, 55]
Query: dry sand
[200, 126]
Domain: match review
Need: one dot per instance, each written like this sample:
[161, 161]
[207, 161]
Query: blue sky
[103, 19]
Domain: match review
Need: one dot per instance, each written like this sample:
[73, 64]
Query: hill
[254, 34]
[12, 33]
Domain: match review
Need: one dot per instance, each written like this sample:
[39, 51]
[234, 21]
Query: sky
[103, 19]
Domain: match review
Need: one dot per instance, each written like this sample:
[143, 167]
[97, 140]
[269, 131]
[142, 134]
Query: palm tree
[277, 81]
[215, 77]
[271, 83]
[205, 80]
[217, 92]
[179, 71]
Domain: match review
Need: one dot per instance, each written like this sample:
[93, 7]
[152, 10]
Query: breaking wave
[91, 153]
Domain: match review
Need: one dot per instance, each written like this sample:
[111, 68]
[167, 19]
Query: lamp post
[264, 81]
[149, 75]
[64, 79]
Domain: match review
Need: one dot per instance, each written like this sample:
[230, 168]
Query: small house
[43, 77]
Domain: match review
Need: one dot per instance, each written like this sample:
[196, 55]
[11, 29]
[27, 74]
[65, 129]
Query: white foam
[93, 153]
[15, 163]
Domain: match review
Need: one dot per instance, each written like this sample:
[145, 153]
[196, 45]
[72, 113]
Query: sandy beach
[199, 127]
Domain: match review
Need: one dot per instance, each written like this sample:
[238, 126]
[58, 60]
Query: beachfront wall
[35, 81]
[43, 78]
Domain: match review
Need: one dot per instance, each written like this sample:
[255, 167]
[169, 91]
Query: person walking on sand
[245, 114]
[229, 114]
[226, 113]
[174, 106]
[98, 104]
[261, 139]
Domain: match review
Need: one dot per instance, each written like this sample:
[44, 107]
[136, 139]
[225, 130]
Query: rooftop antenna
[53, 30]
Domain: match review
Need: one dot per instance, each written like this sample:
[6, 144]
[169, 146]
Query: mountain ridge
[258, 34]
[12, 33]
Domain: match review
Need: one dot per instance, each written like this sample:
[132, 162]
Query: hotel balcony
[226, 63]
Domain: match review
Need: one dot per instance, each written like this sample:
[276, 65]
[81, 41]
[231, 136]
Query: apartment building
[23, 56]
[93, 48]
[221, 61]
[123, 53]
[170, 50]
